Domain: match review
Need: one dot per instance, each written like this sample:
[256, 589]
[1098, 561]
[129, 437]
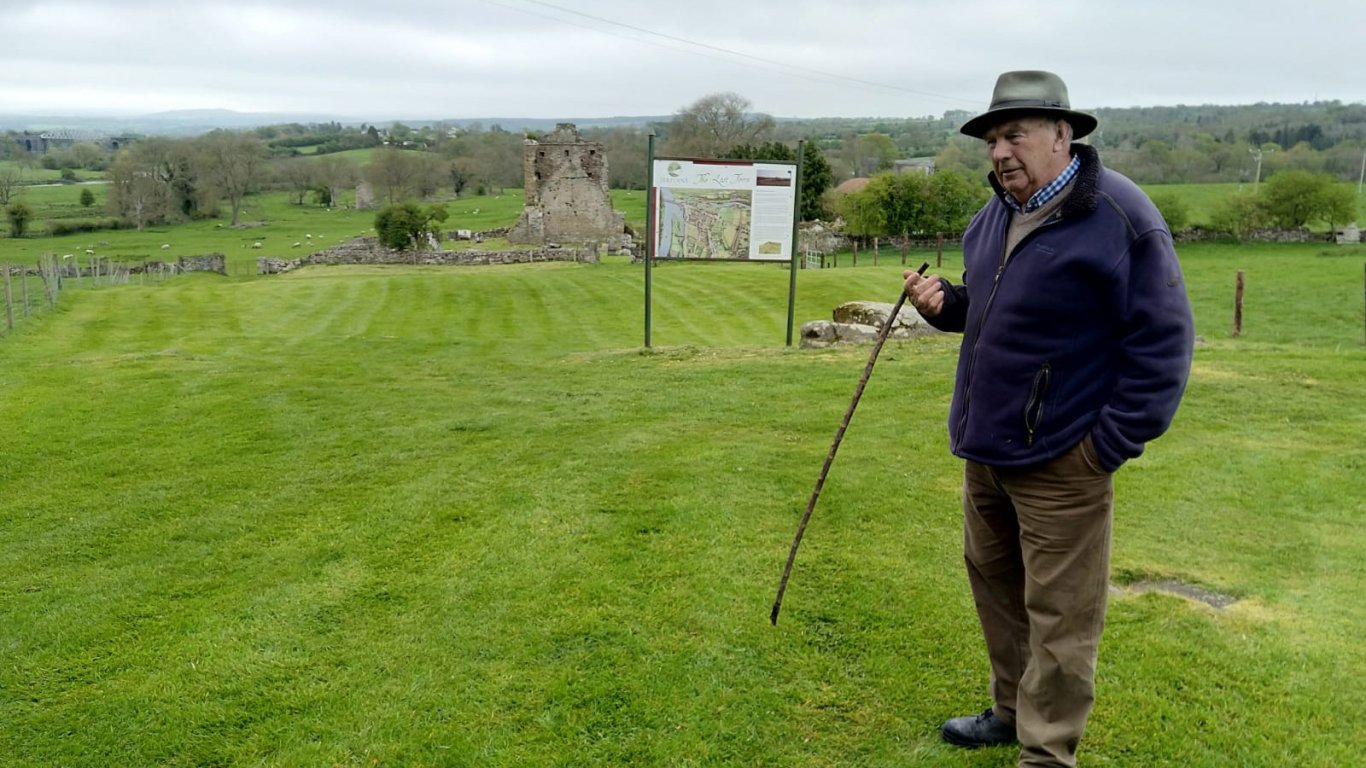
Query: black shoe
[974, 731]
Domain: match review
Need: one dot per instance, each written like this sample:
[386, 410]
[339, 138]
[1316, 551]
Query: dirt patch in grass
[1216, 600]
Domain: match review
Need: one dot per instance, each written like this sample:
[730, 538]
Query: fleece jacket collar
[1082, 201]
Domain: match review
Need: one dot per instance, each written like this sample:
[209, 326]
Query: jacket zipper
[1033, 412]
[982, 317]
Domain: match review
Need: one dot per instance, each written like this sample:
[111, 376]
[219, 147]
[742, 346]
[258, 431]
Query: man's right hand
[925, 292]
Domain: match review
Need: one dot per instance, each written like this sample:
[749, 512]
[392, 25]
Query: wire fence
[30, 289]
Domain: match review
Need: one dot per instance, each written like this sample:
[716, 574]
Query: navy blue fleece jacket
[1084, 328]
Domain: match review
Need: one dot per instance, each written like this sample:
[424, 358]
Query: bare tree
[489, 160]
[136, 191]
[297, 174]
[10, 178]
[713, 124]
[174, 162]
[433, 173]
[232, 163]
[395, 174]
[626, 152]
[332, 172]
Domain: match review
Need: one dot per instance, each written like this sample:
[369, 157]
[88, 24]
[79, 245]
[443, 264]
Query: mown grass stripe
[356, 515]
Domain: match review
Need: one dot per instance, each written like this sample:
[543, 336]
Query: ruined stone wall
[1201, 235]
[368, 251]
[211, 262]
[565, 181]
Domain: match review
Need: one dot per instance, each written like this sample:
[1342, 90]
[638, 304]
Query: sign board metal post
[649, 230]
[796, 219]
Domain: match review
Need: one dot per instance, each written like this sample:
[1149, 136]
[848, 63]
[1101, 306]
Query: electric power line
[827, 76]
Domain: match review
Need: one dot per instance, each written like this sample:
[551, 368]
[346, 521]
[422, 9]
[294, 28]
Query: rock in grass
[876, 313]
[860, 322]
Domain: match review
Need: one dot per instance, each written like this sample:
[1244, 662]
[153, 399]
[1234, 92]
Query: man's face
[1027, 153]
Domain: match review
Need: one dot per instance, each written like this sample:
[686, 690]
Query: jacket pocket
[1033, 411]
[1090, 456]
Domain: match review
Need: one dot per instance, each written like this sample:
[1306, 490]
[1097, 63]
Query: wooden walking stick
[834, 447]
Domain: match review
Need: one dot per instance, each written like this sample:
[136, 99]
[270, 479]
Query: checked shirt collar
[1049, 191]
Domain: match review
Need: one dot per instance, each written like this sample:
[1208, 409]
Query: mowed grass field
[460, 517]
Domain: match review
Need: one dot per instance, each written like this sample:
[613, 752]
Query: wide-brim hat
[1029, 92]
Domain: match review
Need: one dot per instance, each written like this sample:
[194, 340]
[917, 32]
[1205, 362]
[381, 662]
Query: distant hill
[190, 122]
[546, 123]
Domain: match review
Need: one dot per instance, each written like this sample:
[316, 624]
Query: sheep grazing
[256, 244]
[165, 246]
[88, 252]
[296, 245]
[310, 237]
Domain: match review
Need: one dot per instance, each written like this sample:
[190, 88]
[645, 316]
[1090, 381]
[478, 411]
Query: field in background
[44, 176]
[1204, 199]
[408, 516]
[274, 221]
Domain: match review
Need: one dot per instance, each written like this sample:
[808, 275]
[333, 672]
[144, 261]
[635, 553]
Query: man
[1076, 348]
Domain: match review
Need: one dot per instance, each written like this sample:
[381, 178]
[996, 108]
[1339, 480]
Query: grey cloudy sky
[595, 58]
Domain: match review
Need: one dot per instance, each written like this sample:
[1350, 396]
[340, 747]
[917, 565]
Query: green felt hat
[1029, 92]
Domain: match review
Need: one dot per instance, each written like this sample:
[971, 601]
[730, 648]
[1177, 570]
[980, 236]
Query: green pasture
[460, 517]
[60, 202]
[1204, 199]
[270, 219]
[361, 156]
[36, 174]
[1201, 199]
[275, 222]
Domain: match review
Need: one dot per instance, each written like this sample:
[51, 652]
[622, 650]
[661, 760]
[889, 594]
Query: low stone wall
[1201, 235]
[481, 234]
[209, 262]
[369, 251]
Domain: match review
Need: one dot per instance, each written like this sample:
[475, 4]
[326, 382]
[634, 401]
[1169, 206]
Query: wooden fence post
[939, 251]
[9, 301]
[24, 273]
[1238, 307]
[52, 278]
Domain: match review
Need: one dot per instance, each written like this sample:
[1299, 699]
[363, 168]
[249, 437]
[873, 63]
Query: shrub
[57, 228]
[1174, 211]
[1295, 198]
[19, 216]
[87, 198]
[1239, 214]
[400, 226]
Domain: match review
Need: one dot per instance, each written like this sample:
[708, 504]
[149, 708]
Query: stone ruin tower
[565, 179]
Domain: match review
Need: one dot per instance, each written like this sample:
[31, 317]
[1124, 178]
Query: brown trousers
[1037, 544]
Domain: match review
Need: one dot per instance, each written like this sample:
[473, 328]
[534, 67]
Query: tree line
[156, 179]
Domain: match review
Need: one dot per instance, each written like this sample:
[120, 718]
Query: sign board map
[724, 210]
